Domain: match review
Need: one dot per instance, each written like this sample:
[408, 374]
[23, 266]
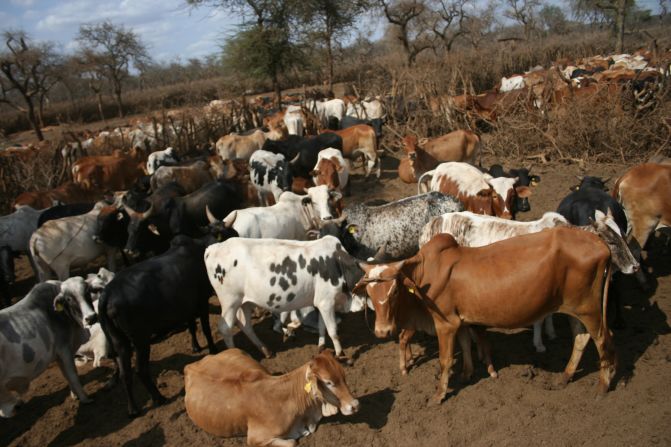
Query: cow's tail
[478, 149]
[423, 179]
[41, 267]
[113, 335]
[230, 219]
[604, 298]
[616, 191]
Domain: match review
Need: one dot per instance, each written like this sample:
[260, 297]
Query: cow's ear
[523, 191]
[306, 201]
[59, 303]
[338, 165]
[486, 192]
[335, 195]
[314, 173]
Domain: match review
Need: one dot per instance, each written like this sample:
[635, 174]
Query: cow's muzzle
[523, 204]
[350, 408]
[383, 332]
[131, 253]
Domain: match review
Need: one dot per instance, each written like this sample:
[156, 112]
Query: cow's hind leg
[226, 322]
[328, 319]
[123, 359]
[538, 336]
[485, 350]
[604, 345]
[207, 331]
[142, 351]
[464, 339]
[195, 347]
[245, 323]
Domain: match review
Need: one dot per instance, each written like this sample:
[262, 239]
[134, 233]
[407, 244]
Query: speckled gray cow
[391, 231]
[47, 325]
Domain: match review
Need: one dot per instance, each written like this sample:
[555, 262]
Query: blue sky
[169, 27]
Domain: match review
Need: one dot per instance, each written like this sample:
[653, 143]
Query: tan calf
[360, 140]
[231, 394]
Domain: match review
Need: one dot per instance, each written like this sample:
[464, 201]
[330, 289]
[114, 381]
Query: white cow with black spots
[280, 275]
[270, 174]
[46, 326]
[157, 159]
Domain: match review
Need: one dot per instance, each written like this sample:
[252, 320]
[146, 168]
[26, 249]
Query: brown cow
[360, 141]
[234, 146]
[426, 154]
[231, 394]
[480, 193]
[558, 270]
[193, 176]
[645, 193]
[114, 172]
[67, 193]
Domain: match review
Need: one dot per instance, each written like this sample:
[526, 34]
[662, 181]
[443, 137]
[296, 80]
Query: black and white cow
[151, 299]
[270, 174]
[6, 275]
[45, 326]
[281, 276]
[167, 157]
[523, 177]
[290, 218]
[390, 231]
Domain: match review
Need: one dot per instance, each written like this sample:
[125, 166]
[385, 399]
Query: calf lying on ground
[231, 394]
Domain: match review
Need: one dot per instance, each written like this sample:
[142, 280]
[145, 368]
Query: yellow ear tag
[59, 307]
[352, 230]
[533, 183]
[411, 290]
[308, 387]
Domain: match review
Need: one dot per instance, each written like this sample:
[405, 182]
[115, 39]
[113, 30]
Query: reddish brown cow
[67, 193]
[360, 140]
[231, 394]
[645, 193]
[558, 270]
[426, 154]
[115, 172]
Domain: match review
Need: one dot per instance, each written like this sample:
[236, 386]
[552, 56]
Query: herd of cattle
[264, 220]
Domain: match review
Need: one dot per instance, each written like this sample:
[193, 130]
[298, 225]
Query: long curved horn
[295, 159]
[210, 216]
[141, 216]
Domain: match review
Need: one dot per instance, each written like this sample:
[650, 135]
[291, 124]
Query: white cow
[63, 243]
[293, 120]
[366, 109]
[290, 218]
[96, 346]
[281, 276]
[511, 83]
[46, 326]
[161, 158]
[334, 108]
[476, 230]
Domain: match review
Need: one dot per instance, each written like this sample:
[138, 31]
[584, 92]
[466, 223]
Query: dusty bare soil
[521, 407]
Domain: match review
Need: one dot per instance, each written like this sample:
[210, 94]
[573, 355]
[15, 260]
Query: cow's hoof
[267, 353]
[437, 399]
[404, 372]
[342, 358]
[196, 349]
[321, 348]
[541, 349]
[492, 373]
[562, 381]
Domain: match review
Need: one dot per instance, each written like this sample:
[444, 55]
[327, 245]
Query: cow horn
[340, 219]
[579, 177]
[210, 216]
[142, 216]
[295, 159]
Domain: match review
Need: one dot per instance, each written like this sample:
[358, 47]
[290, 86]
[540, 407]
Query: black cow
[302, 151]
[152, 299]
[6, 275]
[524, 178]
[579, 207]
[113, 231]
[184, 215]
[61, 211]
[376, 124]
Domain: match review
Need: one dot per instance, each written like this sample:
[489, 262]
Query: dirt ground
[522, 406]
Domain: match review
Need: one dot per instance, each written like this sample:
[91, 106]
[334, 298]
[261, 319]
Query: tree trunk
[117, 97]
[619, 25]
[278, 90]
[40, 112]
[329, 56]
[33, 120]
[100, 105]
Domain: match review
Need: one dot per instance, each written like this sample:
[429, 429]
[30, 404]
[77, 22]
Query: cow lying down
[96, 346]
[475, 230]
[46, 326]
[231, 394]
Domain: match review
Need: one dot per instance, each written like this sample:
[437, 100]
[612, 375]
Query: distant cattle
[234, 146]
[190, 177]
[333, 109]
[115, 172]
[281, 276]
[65, 194]
[45, 326]
[270, 410]
[270, 174]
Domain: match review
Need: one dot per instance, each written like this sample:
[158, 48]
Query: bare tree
[109, 50]
[479, 24]
[524, 12]
[27, 76]
[449, 23]
[613, 10]
[405, 14]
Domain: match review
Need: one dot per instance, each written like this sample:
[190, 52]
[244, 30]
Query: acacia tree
[27, 74]
[406, 16]
[108, 50]
[614, 11]
[524, 12]
[450, 18]
[328, 21]
[264, 47]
